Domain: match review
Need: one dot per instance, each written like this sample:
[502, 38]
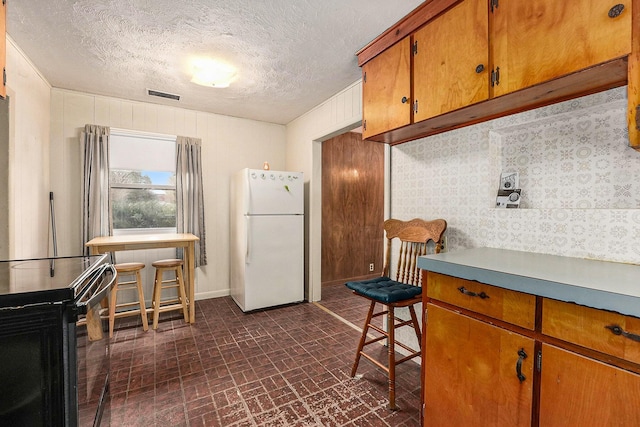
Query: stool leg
[416, 325]
[391, 329]
[363, 338]
[112, 307]
[157, 288]
[183, 297]
[143, 309]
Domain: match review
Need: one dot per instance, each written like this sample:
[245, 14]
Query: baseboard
[212, 294]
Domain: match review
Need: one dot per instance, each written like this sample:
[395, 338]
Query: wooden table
[102, 244]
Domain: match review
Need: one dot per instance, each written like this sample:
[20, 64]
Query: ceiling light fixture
[212, 73]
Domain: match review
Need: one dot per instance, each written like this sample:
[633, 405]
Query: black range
[54, 352]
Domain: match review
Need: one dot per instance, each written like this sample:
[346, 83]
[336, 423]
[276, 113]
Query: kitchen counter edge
[598, 284]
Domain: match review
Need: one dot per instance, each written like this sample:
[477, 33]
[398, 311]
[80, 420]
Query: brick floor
[288, 366]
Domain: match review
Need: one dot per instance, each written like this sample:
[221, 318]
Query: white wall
[29, 99]
[340, 113]
[228, 144]
[579, 178]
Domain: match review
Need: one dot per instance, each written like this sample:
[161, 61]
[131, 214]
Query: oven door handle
[99, 294]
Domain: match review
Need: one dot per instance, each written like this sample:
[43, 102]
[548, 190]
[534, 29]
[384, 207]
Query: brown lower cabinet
[576, 390]
[573, 368]
[471, 373]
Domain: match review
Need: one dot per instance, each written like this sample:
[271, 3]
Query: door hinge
[539, 361]
[494, 5]
[495, 77]
[364, 77]
[415, 107]
[364, 125]
[4, 76]
[415, 47]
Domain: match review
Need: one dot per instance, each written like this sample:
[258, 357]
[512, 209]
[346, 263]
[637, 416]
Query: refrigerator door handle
[247, 258]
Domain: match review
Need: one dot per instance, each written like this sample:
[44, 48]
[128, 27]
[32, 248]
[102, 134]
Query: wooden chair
[124, 270]
[402, 291]
[177, 282]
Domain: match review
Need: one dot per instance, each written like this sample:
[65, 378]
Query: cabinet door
[386, 90]
[3, 47]
[451, 66]
[470, 373]
[578, 391]
[538, 40]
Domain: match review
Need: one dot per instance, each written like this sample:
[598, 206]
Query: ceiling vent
[163, 94]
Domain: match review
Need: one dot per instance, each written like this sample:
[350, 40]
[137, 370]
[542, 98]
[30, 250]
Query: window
[142, 179]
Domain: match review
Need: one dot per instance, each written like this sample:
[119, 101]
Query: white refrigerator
[267, 238]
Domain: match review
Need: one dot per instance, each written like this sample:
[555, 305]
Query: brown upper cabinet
[3, 48]
[386, 90]
[536, 41]
[475, 60]
[451, 60]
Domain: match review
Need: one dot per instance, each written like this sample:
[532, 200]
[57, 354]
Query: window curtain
[96, 204]
[189, 194]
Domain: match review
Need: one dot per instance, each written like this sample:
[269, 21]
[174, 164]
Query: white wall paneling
[339, 114]
[29, 154]
[228, 144]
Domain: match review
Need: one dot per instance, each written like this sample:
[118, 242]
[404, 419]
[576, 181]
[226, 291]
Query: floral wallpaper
[579, 181]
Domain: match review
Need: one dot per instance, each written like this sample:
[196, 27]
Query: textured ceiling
[291, 54]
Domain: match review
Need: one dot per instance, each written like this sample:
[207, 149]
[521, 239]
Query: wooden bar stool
[404, 290]
[127, 270]
[177, 303]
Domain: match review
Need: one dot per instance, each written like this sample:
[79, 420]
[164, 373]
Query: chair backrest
[414, 236]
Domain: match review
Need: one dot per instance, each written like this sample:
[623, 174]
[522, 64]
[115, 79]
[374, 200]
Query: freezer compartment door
[274, 192]
[274, 262]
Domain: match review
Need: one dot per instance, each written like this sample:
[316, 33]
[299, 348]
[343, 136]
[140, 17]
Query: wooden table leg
[190, 255]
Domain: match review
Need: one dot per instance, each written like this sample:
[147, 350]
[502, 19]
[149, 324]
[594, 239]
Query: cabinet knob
[404, 100]
[480, 68]
[616, 10]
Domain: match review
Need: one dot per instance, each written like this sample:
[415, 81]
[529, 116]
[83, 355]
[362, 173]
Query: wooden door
[538, 40]
[386, 90]
[470, 376]
[3, 48]
[451, 65]
[578, 391]
[352, 208]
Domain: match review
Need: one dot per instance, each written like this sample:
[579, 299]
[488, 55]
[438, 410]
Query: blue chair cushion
[384, 290]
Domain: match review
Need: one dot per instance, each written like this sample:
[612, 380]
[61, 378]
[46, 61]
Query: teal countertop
[599, 284]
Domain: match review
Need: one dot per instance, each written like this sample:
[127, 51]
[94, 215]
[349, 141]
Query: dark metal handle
[404, 99]
[96, 291]
[480, 68]
[617, 330]
[522, 355]
[481, 295]
[616, 10]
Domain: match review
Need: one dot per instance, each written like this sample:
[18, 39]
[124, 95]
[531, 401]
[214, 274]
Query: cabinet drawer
[510, 306]
[605, 331]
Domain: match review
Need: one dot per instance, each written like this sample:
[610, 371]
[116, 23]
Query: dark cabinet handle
[617, 330]
[481, 295]
[480, 68]
[616, 10]
[404, 99]
[521, 356]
